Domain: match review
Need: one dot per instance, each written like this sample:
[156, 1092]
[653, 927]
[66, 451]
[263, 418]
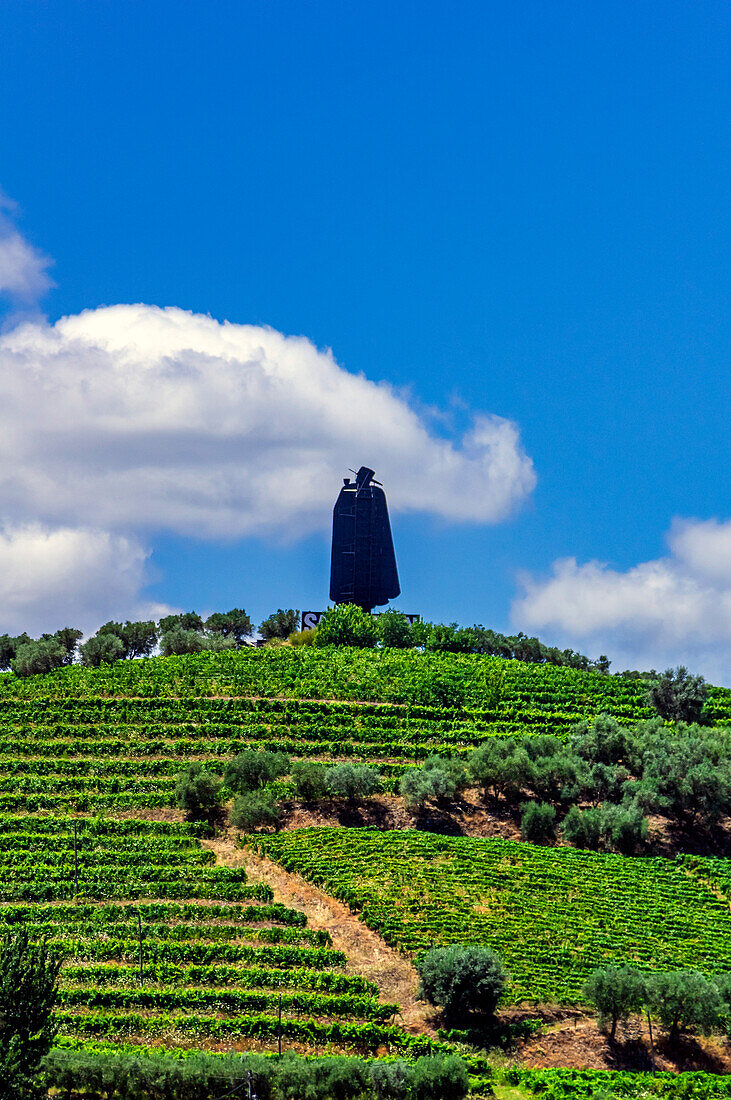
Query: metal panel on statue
[363, 569]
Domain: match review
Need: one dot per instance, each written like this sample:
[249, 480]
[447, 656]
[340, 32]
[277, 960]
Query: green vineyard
[553, 914]
[220, 964]
[84, 740]
[163, 946]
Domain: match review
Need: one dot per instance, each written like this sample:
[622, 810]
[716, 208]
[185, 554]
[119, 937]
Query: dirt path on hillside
[367, 954]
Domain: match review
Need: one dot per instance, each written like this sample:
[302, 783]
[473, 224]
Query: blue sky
[513, 210]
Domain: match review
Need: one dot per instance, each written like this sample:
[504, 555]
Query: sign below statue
[311, 619]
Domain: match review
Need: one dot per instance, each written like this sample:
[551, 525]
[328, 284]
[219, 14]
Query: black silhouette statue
[363, 569]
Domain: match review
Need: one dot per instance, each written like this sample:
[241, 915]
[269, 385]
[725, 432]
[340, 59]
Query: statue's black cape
[363, 568]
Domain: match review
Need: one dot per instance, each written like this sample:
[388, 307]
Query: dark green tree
[347, 625]
[280, 624]
[437, 780]
[684, 1000]
[9, 647]
[678, 696]
[28, 977]
[43, 656]
[462, 979]
[309, 780]
[234, 624]
[538, 821]
[616, 993]
[254, 810]
[353, 781]
[198, 792]
[395, 629]
[102, 649]
[252, 769]
[178, 641]
[188, 620]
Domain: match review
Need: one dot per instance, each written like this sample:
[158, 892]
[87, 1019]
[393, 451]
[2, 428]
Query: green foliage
[394, 630]
[146, 1074]
[553, 914]
[438, 780]
[255, 810]
[347, 625]
[234, 624]
[188, 620]
[102, 648]
[538, 821]
[280, 624]
[177, 640]
[138, 638]
[678, 696]
[309, 780]
[684, 1000]
[302, 638]
[616, 993]
[28, 976]
[43, 656]
[198, 792]
[583, 827]
[353, 781]
[9, 647]
[462, 979]
[251, 769]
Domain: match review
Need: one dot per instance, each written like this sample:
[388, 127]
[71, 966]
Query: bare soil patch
[579, 1044]
[367, 954]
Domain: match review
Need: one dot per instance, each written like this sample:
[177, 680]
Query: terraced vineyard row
[115, 737]
[219, 966]
[390, 676]
[552, 914]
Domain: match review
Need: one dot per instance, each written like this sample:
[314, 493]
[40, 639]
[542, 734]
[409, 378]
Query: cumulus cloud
[23, 274]
[136, 418]
[130, 420]
[73, 577]
[673, 610]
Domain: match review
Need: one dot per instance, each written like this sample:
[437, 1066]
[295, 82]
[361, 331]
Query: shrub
[624, 828]
[28, 977]
[217, 643]
[390, 1080]
[437, 780]
[583, 827]
[395, 630]
[440, 1077]
[684, 999]
[178, 640]
[462, 979]
[347, 624]
[309, 780]
[280, 624]
[353, 781]
[537, 821]
[302, 638]
[35, 658]
[255, 810]
[616, 992]
[678, 696]
[198, 792]
[252, 769]
[102, 649]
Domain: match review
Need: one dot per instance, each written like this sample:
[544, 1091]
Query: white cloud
[674, 610]
[129, 420]
[135, 418]
[69, 577]
[23, 275]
